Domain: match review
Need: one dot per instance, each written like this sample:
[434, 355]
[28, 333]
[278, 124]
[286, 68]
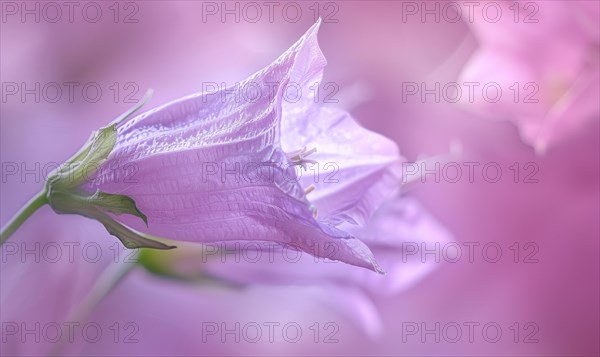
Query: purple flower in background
[46, 286]
[544, 57]
[398, 233]
[221, 167]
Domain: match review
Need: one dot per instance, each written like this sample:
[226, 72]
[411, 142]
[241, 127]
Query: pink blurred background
[373, 49]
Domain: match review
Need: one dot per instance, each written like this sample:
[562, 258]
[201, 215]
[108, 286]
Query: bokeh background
[373, 48]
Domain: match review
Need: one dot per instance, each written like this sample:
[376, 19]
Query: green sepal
[89, 158]
[102, 145]
[135, 108]
[97, 206]
[74, 173]
[117, 204]
[130, 238]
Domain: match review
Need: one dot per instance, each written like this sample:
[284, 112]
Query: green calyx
[65, 196]
[85, 163]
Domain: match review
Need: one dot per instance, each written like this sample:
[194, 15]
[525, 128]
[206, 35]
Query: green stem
[38, 201]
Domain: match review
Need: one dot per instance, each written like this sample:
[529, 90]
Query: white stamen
[299, 156]
[314, 210]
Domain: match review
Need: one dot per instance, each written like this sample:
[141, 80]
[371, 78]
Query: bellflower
[222, 166]
[251, 143]
[544, 58]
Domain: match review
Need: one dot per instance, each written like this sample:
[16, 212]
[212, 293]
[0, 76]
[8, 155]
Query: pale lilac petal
[355, 169]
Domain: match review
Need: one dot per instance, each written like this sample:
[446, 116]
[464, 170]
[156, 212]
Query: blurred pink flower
[544, 56]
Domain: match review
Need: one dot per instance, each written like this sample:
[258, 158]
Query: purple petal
[356, 169]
